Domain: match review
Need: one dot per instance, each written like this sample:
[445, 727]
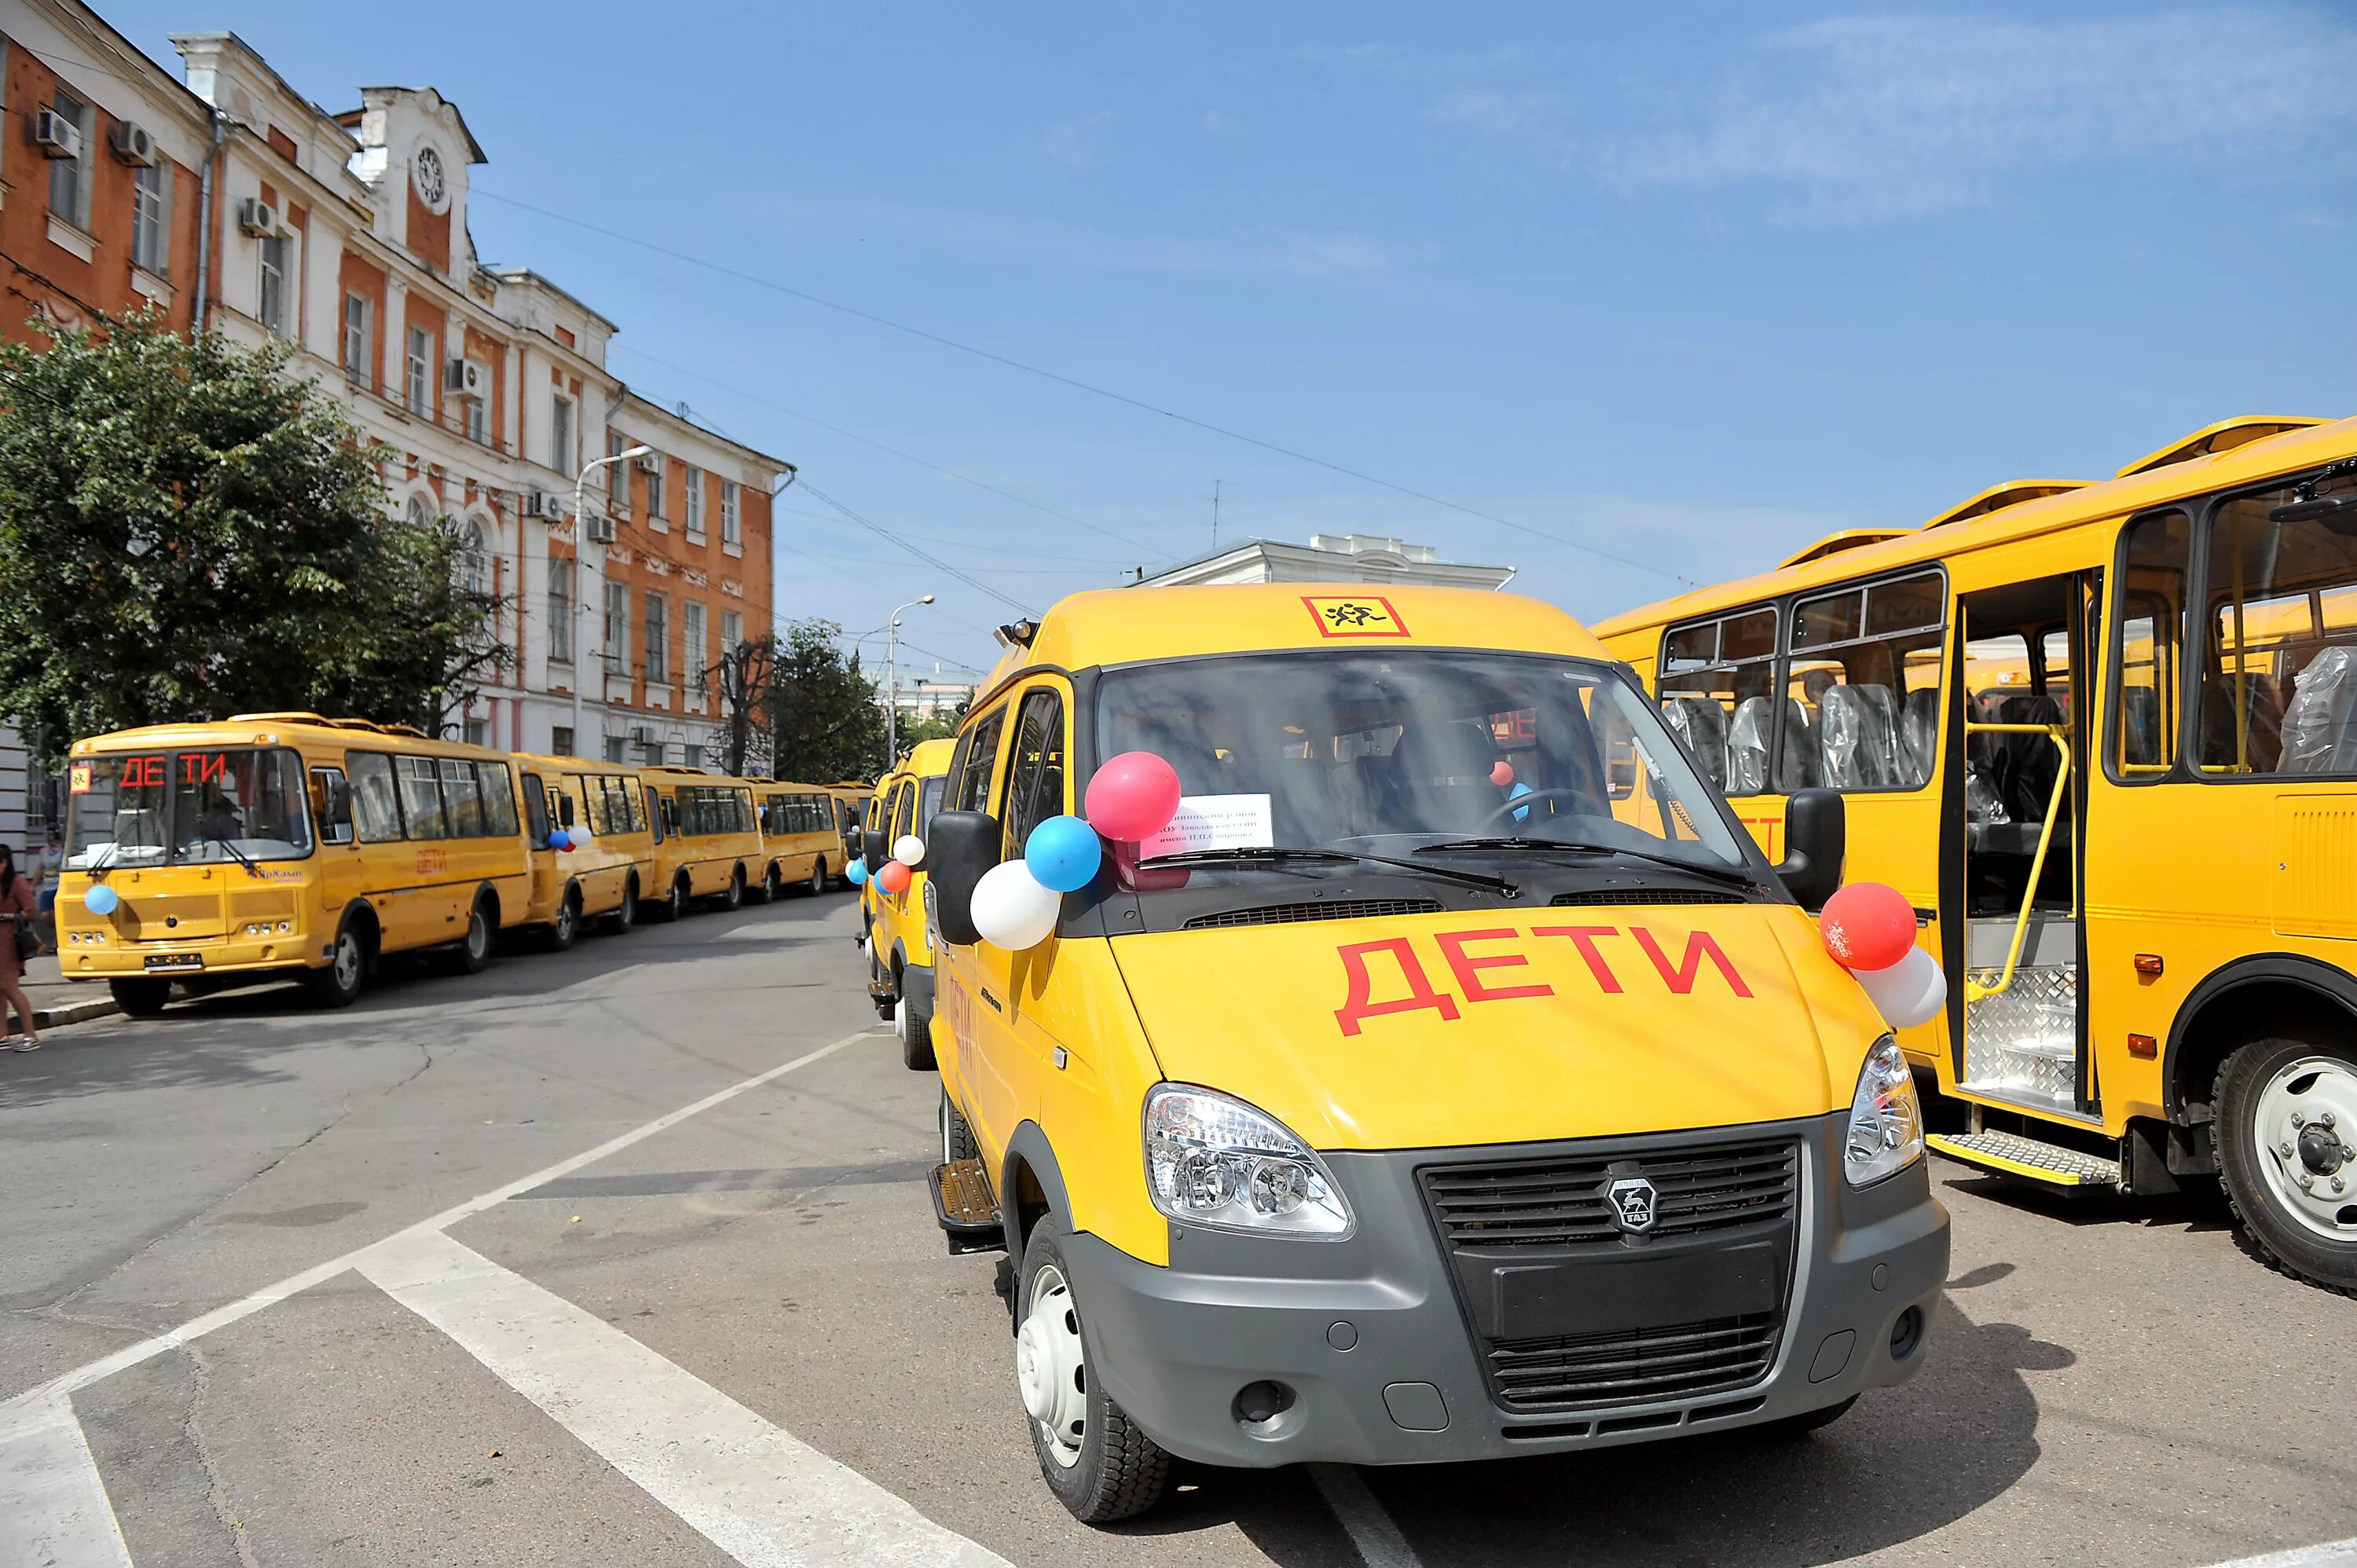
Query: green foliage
[186, 532]
[824, 722]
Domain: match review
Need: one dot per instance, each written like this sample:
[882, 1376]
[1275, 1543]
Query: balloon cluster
[1130, 798]
[564, 840]
[1869, 930]
[102, 899]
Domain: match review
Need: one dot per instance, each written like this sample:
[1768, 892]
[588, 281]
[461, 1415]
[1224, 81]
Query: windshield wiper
[1515, 840]
[239, 855]
[1243, 856]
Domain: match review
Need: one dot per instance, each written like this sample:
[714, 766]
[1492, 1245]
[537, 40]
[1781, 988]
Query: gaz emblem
[1632, 1204]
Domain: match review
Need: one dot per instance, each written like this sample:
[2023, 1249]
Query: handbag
[28, 940]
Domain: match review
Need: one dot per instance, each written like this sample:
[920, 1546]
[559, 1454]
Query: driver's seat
[1440, 780]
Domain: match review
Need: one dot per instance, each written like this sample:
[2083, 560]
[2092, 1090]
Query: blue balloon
[101, 899]
[558, 839]
[1063, 854]
[855, 873]
[1521, 813]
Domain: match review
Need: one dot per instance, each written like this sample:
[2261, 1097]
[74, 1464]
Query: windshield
[186, 808]
[928, 800]
[1395, 752]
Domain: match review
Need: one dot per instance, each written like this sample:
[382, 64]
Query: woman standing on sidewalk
[19, 910]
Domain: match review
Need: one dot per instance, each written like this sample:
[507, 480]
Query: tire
[675, 903]
[1800, 1425]
[140, 996]
[566, 930]
[772, 885]
[624, 915]
[733, 899]
[2287, 1109]
[1099, 1465]
[914, 1025]
[957, 1138]
[473, 953]
[341, 983]
[819, 880]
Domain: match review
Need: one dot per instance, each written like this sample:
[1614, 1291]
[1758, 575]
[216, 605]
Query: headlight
[1886, 1124]
[1217, 1162]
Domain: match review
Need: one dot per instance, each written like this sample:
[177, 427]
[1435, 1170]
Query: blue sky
[1693, 285]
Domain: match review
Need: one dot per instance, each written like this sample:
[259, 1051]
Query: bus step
[2012, 1154]
[963, 1205]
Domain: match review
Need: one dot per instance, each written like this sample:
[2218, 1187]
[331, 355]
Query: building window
[479, 422]
[655, 485]
[694, 504]
[560, 436]
[560, 739]
[618, 475]
[732, 631]
[69, 177]
[418, 387]
[617, 748]
[617, 628]
[695, 754]
[272, 311]
[657, 638]
[150, 234]
[359, 317]
[732, 522]
[560, 618]
[475, 560]
[694, 658]
[479, 732]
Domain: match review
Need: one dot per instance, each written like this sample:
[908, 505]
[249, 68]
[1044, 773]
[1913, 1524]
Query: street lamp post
[580, 586]
[892, 683]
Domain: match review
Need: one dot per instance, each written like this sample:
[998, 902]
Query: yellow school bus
[850, 809]
[2103, 736]
[707, 838]
[282, 843]
[899, 951]
[607, 816]
[802, 837]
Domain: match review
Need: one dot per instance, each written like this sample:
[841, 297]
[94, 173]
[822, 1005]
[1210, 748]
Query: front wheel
[140, 996]
[772, 885]
[566, 930]
[474, 951]
[818, 877]
[675, 902]
[1099, 1465]
[733, 899]
[339, 985]
[914, 1025]
[624, 915]
[2286, 1136]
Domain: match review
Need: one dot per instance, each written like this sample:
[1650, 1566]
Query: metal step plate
[962, 1204]
[2016, 1156]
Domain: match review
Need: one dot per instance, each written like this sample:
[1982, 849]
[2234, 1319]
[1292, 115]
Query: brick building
[344, 235]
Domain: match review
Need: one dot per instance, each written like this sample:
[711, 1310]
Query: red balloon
[894, 877]
[1132, 797]
[1868, 926]
[1502, 774]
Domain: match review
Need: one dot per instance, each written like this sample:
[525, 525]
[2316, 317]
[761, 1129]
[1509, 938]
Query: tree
[824, 722]
[187, 532]
[743, 673]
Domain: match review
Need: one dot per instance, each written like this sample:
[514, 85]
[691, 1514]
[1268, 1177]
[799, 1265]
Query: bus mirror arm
[1817, 838]
[959, 847]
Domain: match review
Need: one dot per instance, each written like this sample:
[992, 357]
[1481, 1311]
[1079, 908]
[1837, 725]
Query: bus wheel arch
[2263, 995]
[564, 929]
[773, 883]
[475, 945]
[1031, 1187]
[352, 956]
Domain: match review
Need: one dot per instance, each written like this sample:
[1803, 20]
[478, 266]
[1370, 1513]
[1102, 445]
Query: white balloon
[1012, 910]
[580, 832]
[1909, 992]
[909, 850]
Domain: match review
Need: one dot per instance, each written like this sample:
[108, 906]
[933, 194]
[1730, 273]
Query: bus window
[536, 809]
[2144, 645]
[421, 796]
[498, 799]
[1035, 783]
[2279, 657]
[376, 806]
[1865, 682]
[462, 803]
[658, 812]
[1718, 689]
[331, 803]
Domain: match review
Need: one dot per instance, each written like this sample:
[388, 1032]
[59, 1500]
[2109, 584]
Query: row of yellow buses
[892, 925]
[286, 845]
[2104, 736]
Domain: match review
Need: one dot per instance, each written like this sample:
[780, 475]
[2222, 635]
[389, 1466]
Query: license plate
[169, 963]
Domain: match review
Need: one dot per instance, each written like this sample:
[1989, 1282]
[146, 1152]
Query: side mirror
[875, 849]
[1816, 837]
[564, 810]
[959, 847]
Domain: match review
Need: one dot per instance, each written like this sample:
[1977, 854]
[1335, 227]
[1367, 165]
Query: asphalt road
[427, 1330]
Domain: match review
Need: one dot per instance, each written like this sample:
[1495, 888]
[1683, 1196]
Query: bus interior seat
[1747, 747]
[2265, 699]
[1857, 737]
[1440, 777]
[2026, 764]
[1698, 722]
[1796, 767]
[2320, 726]
[1919, 733]
[2140, 724]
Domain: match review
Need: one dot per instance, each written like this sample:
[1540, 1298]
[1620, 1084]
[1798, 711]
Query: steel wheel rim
[2304, 1129]
[1050, 1370]
[568, 916]
[818, 877]
[479, 934]
[348, 960]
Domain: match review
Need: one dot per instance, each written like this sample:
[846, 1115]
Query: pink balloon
[894, 877]
[1132, 797]
[1867, 926]
[1502, 774]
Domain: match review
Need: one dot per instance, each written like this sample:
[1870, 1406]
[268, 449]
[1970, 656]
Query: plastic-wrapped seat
[2320, 727]
[1747, 746]
[1919, 738]
[1700, 724]
[1857, 738]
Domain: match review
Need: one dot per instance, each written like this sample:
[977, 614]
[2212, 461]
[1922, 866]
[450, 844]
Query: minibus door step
[962, 1204]
[2009, 1154]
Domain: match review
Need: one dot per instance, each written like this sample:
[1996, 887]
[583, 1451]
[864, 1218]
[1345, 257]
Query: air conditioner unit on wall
[57, 136]
[132, 145]
[598, 530]
[650, 464]
[257, 218]
[467, 378]
[642, 734]
[543, 504]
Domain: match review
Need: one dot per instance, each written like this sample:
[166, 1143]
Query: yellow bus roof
[2190, 468]
[285, 728]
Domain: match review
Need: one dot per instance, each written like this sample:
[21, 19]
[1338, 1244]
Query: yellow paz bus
[707, 838]
[281, 845]
[802, 837]
[899, 949]
[610, 814]
[2103, 736]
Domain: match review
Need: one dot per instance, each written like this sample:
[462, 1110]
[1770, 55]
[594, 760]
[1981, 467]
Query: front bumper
[247, 956]
[1370, 1337]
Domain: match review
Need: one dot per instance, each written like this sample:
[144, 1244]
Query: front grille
[1632, 1366]
[1561, 1203]
[1596, 896]
[1343, 909]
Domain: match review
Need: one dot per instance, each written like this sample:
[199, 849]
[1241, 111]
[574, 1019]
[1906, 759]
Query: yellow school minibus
[850, 809]
[282, 844]
[2103, 736]
[707, 837]
[1450, 1078]
[899, 954]
[802, 837]
[606, 813]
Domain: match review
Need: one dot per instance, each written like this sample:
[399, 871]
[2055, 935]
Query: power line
[995, 555]
[1074, 383]
[876, 528]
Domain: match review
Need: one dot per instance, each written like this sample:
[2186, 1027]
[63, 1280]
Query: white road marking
[1379, 1542]
[2325, 1554]
[51, 1497]
[756, 1492]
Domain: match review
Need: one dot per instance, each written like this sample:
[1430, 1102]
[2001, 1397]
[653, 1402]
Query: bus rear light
[2143, 1046]
[2148, 963]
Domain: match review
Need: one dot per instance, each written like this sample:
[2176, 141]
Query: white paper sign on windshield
[1213, 821]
